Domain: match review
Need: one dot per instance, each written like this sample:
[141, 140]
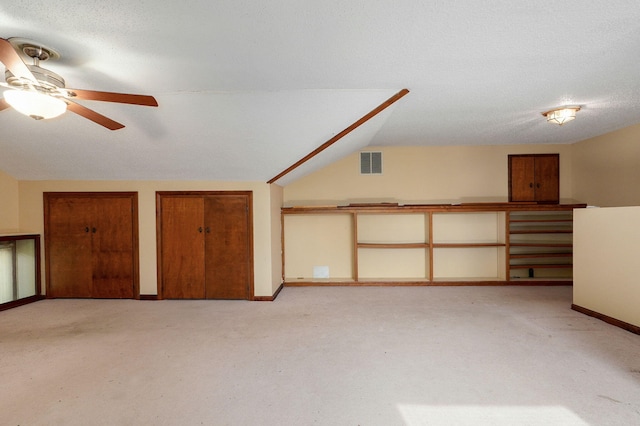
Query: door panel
[227, 247]
[522, 176]
[112, 248]
[69, 247]
[547, 177]
[182, 250]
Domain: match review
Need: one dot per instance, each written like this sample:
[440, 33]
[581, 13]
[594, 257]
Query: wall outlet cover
[320, 272]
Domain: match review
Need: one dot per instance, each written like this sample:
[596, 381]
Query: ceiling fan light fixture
[36, 105]
[562, 115]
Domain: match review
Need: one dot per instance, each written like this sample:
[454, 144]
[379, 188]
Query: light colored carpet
[320, 356]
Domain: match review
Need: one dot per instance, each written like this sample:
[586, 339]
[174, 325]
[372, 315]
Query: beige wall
[606, 267]
[423, 174]
[9, 221]
[601, 171]
[31, 218]
[410, 175]
[276, 237]
[606, 169]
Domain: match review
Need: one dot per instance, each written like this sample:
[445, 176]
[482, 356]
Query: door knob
[200, 229]
[86, 229]
[208, 230]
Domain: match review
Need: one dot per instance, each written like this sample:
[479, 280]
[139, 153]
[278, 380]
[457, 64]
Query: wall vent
[371, 163]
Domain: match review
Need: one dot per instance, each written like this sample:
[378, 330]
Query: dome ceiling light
[561, 115]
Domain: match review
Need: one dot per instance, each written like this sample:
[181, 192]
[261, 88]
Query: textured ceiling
[246, 88]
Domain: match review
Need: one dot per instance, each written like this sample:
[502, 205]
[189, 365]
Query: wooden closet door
[182, 248]
[112, 248]
[228, 259]
[91, 244]
[69, 259]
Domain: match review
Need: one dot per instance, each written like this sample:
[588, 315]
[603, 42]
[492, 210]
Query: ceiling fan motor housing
[47, 80]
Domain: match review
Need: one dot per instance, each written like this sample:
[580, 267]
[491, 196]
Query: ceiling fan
[40, 93]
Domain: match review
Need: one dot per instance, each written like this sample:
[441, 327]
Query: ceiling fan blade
[122, 98]
[94, 116]
[3, 104]
[10, 58]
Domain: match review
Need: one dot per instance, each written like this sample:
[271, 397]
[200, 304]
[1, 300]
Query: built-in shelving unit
[541, 245]
[431, 244]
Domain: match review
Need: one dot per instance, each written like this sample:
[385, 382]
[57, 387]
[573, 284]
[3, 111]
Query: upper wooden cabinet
[534, 177]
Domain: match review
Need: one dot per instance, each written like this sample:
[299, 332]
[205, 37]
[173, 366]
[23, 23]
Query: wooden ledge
[434, 208]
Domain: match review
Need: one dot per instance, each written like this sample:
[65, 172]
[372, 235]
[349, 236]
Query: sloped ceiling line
[377, 110]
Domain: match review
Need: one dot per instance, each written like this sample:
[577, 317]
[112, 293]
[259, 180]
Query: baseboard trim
[606, 318]
[149, 297]
[20, 302]
[269, 298]
[423, 283]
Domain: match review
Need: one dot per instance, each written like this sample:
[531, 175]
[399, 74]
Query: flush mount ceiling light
[561, 115]
[35, 105]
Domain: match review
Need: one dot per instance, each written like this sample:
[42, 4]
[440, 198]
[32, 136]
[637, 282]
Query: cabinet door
[69, 260]
[534, 177]
[521, 178]
[182, 247]
[112, 248]
[228, 260]
[547, 178]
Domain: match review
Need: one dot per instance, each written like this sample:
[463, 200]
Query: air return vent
[370, 163]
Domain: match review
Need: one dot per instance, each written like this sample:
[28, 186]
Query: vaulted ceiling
[247, 88]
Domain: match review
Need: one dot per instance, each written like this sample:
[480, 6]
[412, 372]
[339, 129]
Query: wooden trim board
[609, 320]
[269, 298]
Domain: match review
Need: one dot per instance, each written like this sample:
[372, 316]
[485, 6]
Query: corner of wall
[276, 198]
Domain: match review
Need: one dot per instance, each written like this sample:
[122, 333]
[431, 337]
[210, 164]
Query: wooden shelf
[538, 255]
[541, 244]
[467, 245]
[474, 241]
[393, 245]
[529, 281]
[467, 279]
[540, 218]
[524, 207]
[542, 266]
[541, 256]
[541, 231]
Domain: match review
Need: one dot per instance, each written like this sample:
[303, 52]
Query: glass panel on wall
[18, 267]
[7, 249]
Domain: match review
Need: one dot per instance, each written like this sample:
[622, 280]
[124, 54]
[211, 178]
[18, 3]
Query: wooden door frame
[160, 194]
[135, 237]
